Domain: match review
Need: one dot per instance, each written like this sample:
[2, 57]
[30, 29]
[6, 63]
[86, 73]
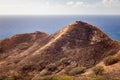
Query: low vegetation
[23, 46]
[41, 65]
[111, 60]
[11, 77]
[66, 77]
[51, 67]
[14, 77]
[98, 70]
[55, 77]
[27, 67]
[64, 61]
[91, 78]
[77, 70]
[105, 76]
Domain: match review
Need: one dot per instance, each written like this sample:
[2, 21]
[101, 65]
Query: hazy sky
[59, 7]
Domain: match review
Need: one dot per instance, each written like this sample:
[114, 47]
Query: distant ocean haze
[11, 25]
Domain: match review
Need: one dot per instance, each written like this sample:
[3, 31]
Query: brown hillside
[78, 44]
[9, 45]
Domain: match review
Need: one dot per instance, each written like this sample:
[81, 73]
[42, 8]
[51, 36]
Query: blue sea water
[11, 25]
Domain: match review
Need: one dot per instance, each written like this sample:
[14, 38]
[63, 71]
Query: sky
[59, 7]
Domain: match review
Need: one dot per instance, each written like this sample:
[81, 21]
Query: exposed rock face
[78, 44]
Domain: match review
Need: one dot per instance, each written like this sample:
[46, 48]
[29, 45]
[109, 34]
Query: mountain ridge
[79, 43]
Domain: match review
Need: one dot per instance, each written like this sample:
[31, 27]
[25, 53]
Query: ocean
[11, 25]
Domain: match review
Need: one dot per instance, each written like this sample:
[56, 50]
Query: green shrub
[41, 65]
[77, 70]
[85, 78]
[51, 67]
[43, 78]
[98, 77]
[27, 67]
[13, 77]
[110, 60]
[23, 46]
[98, 70]
[55, 77]
[64, 61]
[63, 77]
